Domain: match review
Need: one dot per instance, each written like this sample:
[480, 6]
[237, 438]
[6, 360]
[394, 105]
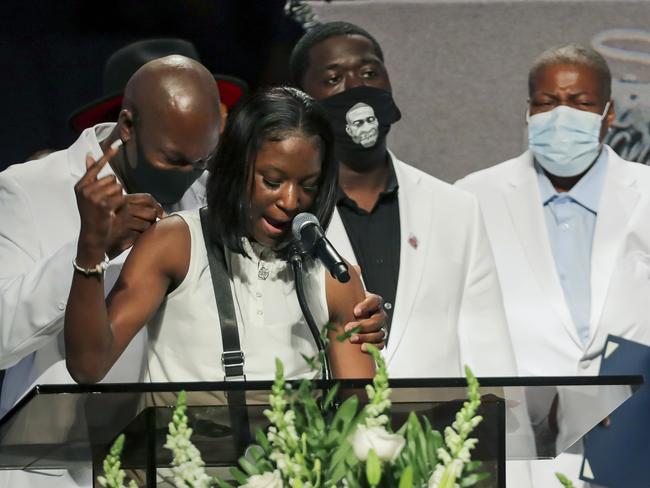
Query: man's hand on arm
[371, 321]
[139, 212]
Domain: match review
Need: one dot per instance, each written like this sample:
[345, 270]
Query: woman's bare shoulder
[165, 246]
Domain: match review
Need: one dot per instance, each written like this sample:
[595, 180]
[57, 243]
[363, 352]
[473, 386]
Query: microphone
[307, 230]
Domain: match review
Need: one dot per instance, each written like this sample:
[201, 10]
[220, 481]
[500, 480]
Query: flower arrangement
[312, 443]
[356, 447]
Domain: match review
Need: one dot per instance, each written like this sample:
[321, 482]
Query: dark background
[52, 54]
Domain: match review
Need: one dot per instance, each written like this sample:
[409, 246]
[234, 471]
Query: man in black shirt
[375, 237]
[360, 100]
[420, 242]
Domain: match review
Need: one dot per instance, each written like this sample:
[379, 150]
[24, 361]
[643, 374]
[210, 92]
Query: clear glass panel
[69, 426]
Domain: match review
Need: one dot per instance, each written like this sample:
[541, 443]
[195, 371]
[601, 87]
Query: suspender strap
[232, 357]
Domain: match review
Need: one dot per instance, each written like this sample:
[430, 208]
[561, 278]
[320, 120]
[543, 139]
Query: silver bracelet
[97, 270]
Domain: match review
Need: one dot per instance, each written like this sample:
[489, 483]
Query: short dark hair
[575, 54]
[299, 62]
[269, 115]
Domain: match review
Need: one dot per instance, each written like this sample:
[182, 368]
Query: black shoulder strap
[232, 357]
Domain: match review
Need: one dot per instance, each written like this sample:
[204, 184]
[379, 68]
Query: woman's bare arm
[97, 330]
[347, 359]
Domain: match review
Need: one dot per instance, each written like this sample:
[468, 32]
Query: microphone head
[300, 221]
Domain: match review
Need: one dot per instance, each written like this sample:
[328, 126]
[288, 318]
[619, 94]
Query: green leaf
[406, 481]
[373, 468]
[437, 439]
[262, 440]
[248, 467]
[341, 423]
[416, 447]
[422, 444]
[341, 462]
[255, 452]
[223, 484]
[341, 453]
[279, 371]
[473, 466]
[432, 442]
[313, 416]
[329, 327]
[312, 362]
[473, 478]
[240, 477]
[352, 481]
[566, 482]
[346, 335]
[331, 395]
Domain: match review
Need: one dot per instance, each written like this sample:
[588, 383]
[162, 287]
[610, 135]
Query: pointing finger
[89, 161]
[93, 168]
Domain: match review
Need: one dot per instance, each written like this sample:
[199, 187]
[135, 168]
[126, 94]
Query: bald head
[169, 123]
[173, 85]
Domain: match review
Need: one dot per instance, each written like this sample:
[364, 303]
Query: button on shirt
[571, 220]
[375, 239]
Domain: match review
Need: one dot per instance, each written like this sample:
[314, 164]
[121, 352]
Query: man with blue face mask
[568, 224]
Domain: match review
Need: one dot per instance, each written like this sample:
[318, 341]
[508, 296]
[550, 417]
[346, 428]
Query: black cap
[124, 62]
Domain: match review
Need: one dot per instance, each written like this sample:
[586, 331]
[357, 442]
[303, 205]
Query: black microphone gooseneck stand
[297, 265]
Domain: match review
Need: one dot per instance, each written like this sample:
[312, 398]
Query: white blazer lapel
[525, 207]
[339, 238]
[415, 208]
[617, 204]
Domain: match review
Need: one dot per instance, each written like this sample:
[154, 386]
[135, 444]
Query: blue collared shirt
[571, 220]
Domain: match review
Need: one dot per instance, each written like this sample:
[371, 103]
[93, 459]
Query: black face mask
[361, 118]
[166, 186]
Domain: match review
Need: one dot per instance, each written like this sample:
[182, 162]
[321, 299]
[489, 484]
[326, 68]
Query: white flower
[451, 473]
[436, 477]
[266, 480]
[387, 446]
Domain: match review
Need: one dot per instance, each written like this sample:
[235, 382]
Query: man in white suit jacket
[448, 308]
[447, 304]
[549, 334]
[40, 226]
[425, 239]
[40, 223]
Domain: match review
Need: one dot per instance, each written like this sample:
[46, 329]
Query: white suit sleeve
[33, 288]
[484, 335]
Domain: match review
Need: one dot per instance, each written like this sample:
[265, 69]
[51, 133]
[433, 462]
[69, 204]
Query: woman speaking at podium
[274, 160]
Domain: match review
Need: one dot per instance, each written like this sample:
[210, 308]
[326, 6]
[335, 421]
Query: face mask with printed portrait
[361, 118]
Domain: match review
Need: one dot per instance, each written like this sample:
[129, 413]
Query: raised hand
[98, 201]
[110, 220]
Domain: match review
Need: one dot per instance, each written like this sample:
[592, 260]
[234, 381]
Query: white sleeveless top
[185, 335]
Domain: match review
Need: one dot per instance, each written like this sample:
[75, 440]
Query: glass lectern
[73, 426]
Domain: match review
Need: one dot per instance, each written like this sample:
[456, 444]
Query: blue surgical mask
[565, 141]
